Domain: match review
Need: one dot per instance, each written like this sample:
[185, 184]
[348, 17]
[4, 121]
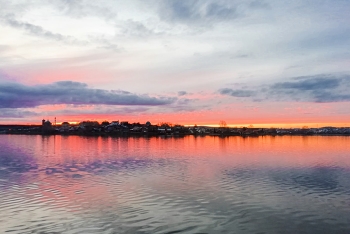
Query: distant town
[124, 128]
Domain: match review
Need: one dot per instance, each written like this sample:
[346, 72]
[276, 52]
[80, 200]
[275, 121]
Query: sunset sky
[265, 63]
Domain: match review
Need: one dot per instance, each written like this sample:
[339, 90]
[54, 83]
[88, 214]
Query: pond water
[74, 184]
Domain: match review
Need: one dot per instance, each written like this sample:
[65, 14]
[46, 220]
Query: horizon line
[252, 125]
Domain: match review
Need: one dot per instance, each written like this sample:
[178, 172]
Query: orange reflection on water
[266, 150]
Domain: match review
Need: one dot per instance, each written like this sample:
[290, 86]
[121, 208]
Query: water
[72, 184]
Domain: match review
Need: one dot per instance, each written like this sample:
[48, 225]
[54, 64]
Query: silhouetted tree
[105, 123]
[222, 124]
[165, 124]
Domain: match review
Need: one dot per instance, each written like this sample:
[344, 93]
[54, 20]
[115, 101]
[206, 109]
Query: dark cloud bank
[14, 95]
[318, 88]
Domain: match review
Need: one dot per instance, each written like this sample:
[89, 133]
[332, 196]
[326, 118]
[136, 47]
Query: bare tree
[222, 124]
[165, 124]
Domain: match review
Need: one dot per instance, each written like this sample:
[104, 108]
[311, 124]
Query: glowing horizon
[228, 124]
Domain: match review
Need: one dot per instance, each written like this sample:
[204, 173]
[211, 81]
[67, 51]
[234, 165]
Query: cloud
[318, 88]
[206, 12]
[323, 88]
[179, 10]
[309, 83]
[181, 93]
[16, 113]
[194, 11]
[106, 44]
[81, 8]
[71, 110]
[136, 29]
[258, 4]
[218, 11]
[37, 30]
[331, 97]
[237, 92]
[14, 95]
[335, 37]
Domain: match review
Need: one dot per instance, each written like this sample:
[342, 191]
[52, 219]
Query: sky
[246, 62]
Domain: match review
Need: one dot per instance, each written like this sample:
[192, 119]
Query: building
[46, 125]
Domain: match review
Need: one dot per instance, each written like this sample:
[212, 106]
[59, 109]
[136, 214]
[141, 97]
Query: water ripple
[189, 185]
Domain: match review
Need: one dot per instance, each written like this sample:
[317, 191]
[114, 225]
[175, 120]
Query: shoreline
[164, 135]
[148, 130]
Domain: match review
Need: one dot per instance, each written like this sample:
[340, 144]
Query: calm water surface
[72, 184]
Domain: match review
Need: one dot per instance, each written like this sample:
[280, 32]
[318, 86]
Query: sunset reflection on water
[186, 184]
[285, 151]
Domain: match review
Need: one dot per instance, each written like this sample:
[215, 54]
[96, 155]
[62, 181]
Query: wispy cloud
[237, 92]
[204, 12]
[37, 30]
[135, 29]
[81, 8]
